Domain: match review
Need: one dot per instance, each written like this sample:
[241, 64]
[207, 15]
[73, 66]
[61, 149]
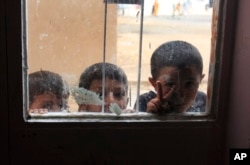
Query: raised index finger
[169, 92]
[159, 91]
[164, 93]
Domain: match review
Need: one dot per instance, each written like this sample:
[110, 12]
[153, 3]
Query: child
[47, 92]
[176, 69]
[116, 86]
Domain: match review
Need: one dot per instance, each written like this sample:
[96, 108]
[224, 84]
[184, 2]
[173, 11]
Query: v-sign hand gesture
[160, 102]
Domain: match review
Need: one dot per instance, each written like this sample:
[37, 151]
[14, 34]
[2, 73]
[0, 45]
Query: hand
[38, 111]
[128, 111]
[160, 102]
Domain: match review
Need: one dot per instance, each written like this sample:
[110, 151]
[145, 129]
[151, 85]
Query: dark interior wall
[110, 145]
[4, 150]
[239, 114]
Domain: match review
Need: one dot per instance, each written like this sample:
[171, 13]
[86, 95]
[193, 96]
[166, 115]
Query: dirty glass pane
[67, 36]
[187, 20]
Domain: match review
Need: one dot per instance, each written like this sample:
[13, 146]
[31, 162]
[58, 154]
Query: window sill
[86, 117]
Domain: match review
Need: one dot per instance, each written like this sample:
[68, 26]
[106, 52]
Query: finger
[159, 91]
[42, 111]
[31, 111]
[152, 109]
[38, 111]
[165, 106]
[168, 93]
[128, 110]
[154, 105]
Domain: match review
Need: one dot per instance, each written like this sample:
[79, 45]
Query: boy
[116, 86]
[176, 69]
[47, 92]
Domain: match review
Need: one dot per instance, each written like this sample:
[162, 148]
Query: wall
[62, 34]
[238, 106]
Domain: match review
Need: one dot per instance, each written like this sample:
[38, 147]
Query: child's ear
[128, 100]
[202, 76]
[152, 82]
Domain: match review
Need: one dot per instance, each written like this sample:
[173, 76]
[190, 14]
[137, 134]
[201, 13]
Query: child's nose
[109, 98]
[55, 108]
[179, 91]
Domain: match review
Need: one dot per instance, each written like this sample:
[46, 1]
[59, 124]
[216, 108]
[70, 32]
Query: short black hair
[179, 54]
[42, 82]
[95, 72]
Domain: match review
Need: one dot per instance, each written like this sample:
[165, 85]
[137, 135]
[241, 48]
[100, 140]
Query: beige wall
[65, 36]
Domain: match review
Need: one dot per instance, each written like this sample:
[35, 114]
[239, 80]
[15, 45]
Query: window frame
[20, 138]
[221, 75]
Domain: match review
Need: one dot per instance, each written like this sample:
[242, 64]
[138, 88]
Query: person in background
[155, 8]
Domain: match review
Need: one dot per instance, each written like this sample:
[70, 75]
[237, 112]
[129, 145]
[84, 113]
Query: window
[66, 37]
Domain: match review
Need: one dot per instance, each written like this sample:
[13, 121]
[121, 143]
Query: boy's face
[185, 83]
[48, 102]
[115, 92]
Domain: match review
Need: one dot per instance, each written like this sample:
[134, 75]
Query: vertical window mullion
[104, 55]
[140, 56]
[24, 60]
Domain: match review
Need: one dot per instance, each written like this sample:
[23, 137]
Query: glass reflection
[66, 37]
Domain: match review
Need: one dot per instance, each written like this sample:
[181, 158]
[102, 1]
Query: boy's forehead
[48, 96]
[171, 71]
[108, 82]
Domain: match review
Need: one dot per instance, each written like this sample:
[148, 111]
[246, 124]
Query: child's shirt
[198, 106]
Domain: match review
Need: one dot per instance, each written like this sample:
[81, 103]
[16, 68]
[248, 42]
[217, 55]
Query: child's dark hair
[95, 72]
[42, 82]
[179, 54]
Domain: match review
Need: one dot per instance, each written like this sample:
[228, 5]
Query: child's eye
[169, 84]
[190, 84]
[99, 94]
[118, 95]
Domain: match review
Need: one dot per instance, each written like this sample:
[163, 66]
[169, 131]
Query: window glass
[65, 37]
